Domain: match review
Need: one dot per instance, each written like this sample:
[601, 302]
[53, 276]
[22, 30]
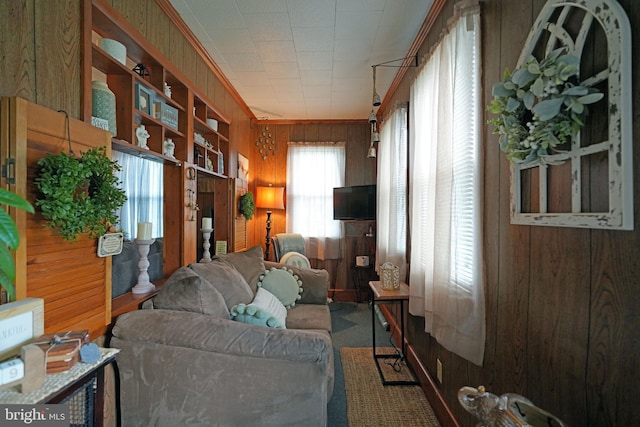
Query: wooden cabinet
[151, 91]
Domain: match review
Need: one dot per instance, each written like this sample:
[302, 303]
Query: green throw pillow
[282, 283]
[264, 310]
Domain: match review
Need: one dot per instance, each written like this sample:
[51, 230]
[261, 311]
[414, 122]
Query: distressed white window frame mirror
[533, 197]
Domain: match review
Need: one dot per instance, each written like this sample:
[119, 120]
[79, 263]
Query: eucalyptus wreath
[540, 106]
[79, 195]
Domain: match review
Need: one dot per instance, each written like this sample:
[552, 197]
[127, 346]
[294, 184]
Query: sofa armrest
[315, 282]
[213, 334]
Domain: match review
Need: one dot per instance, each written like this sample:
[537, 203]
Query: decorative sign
[110, 244]
[20, 322]
[221, 247]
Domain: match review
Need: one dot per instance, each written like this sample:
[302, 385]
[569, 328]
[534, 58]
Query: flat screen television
[357, 202]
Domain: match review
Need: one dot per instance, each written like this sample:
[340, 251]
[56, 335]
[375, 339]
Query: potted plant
[10, 238]
[79, 195]
[540, 107]
[247, 205]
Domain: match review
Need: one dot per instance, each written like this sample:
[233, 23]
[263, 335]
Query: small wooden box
[62, 351]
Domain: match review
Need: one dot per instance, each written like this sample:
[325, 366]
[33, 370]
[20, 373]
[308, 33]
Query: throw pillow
[227, 280]
[248, 263]
[186, 291]
[295, 259]
[264, 310]
[286, 286]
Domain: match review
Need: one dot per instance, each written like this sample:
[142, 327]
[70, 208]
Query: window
[142, 181]
[391, 243]
[313, 170]
[447, 281]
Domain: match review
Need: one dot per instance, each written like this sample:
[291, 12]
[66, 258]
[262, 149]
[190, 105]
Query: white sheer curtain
[391, 219]
[313, 170]
[447, 265]
[142, 181]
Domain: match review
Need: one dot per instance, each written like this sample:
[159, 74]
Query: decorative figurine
[141, 70]
[508, 410]
[142, 135]
[169, 148]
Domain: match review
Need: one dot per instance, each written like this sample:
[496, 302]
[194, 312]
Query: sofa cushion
[264, 310]
[309, 317]
[286, 286]
[227, 280]
[248, 263]
[186, 291]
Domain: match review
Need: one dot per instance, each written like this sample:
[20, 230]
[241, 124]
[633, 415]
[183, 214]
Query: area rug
[369, 403]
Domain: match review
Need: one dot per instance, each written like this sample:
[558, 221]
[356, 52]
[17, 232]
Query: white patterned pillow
[264, 310]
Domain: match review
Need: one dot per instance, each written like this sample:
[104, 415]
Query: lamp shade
[270, 197]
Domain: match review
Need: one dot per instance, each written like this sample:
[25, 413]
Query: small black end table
[400, 296]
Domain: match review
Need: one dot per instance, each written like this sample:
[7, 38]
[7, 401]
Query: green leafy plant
[247, 205]
[10, 238]
[79, 195]
[540, 106]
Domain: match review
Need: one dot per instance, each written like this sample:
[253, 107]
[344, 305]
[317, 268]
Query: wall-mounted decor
[571, 169]
[265, 143]
[143, 98]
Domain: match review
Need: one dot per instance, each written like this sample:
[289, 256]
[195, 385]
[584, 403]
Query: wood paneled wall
[359, 171]
[562, 317]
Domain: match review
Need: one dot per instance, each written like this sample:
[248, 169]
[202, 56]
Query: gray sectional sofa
[185, 362]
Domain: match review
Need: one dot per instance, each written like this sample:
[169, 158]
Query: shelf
[134, 150]
[207, 171]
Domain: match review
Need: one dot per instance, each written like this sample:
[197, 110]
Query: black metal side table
[400, 296]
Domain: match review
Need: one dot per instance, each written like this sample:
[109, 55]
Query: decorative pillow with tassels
[282, 283]
[264, 310]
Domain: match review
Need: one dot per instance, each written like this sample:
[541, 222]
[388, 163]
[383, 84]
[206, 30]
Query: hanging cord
[68, 121]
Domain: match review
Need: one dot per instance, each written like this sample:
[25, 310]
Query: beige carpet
[369, 403]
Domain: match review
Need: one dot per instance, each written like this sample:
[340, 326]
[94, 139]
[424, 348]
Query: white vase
[103, 104]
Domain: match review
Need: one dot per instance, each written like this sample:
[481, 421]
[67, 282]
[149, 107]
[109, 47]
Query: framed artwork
[143, 98]
[243, 168]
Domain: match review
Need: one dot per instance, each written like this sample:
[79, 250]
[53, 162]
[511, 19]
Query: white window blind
[142, 181]
[391, 218]
[313, 170]
[447, 271]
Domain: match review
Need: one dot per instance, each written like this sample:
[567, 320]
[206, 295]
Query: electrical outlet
[439, 370]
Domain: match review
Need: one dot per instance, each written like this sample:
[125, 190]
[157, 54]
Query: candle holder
[143, 286]
[206, 235]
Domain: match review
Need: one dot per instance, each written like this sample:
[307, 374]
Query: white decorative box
[362, 261]
[389, 276]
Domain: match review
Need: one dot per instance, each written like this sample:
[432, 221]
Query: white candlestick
[144, 285]
[207, 223]
[206, 235]
[144, 230]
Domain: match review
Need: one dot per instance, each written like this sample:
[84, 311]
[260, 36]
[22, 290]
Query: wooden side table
[63, 387]
[390, 296]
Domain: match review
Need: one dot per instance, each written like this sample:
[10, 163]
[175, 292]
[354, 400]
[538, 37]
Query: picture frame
[143, 98]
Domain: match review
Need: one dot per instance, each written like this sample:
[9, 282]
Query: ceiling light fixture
[376, 98]
[376, 101]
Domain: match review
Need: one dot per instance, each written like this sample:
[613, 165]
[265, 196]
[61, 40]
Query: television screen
[354, 203]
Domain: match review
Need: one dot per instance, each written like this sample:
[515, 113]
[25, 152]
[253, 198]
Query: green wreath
[79, 195]
[247, 205]
[540, 106]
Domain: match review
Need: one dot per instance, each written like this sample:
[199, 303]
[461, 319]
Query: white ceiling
[306, 59]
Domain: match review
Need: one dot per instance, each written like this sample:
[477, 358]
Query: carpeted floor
[369, 403]
[351, 325]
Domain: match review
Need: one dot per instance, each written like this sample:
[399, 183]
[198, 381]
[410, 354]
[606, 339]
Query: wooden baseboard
[429, 386]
